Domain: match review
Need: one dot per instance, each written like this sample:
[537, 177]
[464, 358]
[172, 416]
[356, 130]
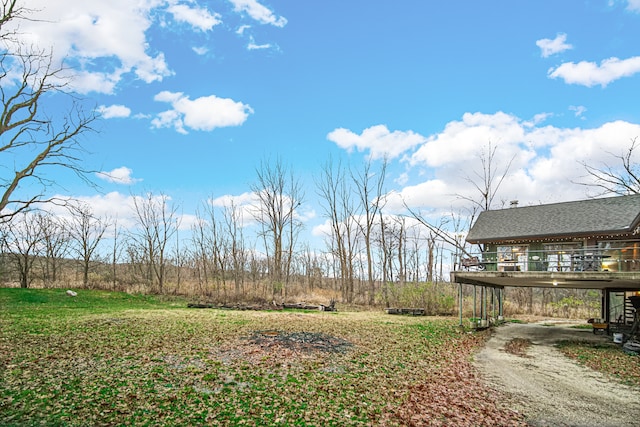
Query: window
[512, 258]
[620, 255]
[558, 255]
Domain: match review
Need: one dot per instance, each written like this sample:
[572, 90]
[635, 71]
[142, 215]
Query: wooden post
[460, 302]
[484, 304]
[493, 302]
[474, 301]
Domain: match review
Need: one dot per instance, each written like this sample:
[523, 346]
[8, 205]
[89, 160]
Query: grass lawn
[115, 359]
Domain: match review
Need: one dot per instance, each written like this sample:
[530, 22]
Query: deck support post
[484, 304]
[493, 303]
[460, 302]
[475, 303]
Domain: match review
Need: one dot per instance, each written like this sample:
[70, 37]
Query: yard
[116, 359]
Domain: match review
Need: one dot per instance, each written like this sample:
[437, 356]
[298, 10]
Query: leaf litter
[178, 367]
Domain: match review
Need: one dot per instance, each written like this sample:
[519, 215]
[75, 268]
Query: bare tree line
[370, 257]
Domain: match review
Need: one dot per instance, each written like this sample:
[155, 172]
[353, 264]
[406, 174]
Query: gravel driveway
[551, 389]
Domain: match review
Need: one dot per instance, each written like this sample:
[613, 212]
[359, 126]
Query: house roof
[611, 215]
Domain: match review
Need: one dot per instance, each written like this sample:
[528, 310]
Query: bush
[435, 298]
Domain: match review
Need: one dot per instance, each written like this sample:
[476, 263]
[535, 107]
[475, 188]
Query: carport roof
[544, 279]
[611, 215]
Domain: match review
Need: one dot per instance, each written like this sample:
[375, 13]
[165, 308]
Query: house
[587, 244]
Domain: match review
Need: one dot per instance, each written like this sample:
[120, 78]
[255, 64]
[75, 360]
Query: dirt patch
[549, 388]
[300, 341]
[279, 348]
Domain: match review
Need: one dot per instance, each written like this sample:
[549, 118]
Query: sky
[194, 95]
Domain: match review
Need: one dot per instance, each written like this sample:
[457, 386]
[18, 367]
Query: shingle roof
[593, 216]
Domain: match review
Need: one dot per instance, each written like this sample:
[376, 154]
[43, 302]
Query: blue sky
[195, 94]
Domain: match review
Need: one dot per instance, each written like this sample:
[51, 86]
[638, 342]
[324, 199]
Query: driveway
[551, 389]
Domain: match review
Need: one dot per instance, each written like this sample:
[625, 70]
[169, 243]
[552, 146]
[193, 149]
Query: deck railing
[575, 260]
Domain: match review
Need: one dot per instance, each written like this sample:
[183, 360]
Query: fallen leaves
[155, 364]
[454, 395]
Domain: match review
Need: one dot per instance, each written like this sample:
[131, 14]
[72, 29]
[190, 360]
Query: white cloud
[591, 74]
[121, 175]
[550, 47]
[240, 31]
[119, 209]
[205, 113]
[253, 46]
[322, 230]
[537, 119]
[259, 12]
[200, 50]
[578, 110]
[82, 32]
[378, 140]
[546, 161]
[247, 203]
[461, 140]
[113, 205]
[434, 193]
[633, 5]
[103, 42]
[198, 17]
[402, 179]
[96, 81]
[114, 111]
[243, 199]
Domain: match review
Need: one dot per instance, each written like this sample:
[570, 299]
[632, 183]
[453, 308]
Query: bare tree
[34, 139]
[442, 230]
[55, 240]
[237, 254]
[339, 209]
[157, 224]
[179, 260]
[487, 181]
[116, 250]
[86, 231]
[22, 241]
[385, 260]
[200, 251]
[622, 179]
[279, 195]
[210, 247]
[136, 263]
[369, 189]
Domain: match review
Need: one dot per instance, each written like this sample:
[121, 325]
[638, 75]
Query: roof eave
[619, 232]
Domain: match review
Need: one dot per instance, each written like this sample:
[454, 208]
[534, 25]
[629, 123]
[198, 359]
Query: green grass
[105, 358]
[582, 326]
[34, 301]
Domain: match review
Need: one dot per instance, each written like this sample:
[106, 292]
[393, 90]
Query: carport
[614, 286]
